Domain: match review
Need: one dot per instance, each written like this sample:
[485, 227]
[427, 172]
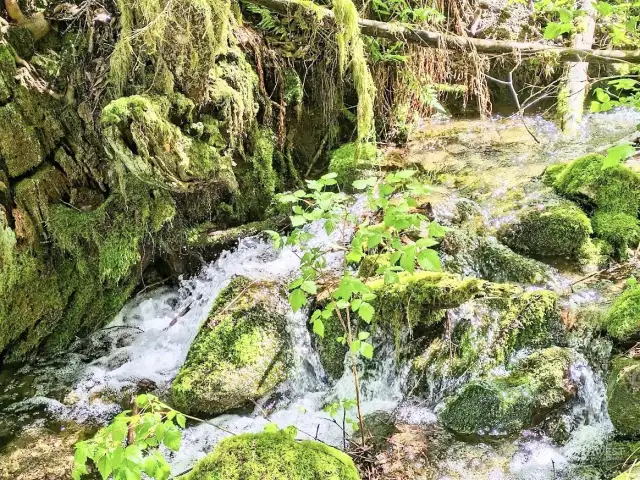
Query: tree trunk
[574, 92]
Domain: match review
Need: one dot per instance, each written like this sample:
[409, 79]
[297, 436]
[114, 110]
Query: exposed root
[37, 24]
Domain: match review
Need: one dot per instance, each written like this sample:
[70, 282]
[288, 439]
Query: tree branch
[424, 38]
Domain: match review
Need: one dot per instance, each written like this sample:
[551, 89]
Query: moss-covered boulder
[502, 405]
[487, 335]
[623, 395]
[350, 161]
[559, 230]
[273, 456]
[612, 193]
[623, 319]
[241, 353]
[469, 253]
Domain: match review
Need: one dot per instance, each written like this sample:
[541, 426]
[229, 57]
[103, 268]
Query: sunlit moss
[623, 395]
[623, 320]
[273, 456]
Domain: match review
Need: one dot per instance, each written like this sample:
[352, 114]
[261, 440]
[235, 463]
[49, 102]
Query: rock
[487, 258]
[559, 230]
[485, 335]
[623, 320]
[505, 404]
[241, 353]
[40, 454]
[276, 456]
[623, 395]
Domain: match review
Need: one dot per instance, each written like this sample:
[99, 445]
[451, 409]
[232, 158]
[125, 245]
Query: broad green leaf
[366, 349]
[429, 260]
[309, 287]
[355, 346]
[618, 154]
[297, 299]
[297, 220]
[390, 277]
[355, 305]
[366, 312]
[172, 439]
[408, 260]
[181, 420]
[318, 328]
[363, 335]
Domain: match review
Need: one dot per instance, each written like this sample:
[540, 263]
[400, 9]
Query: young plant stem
[354, 369]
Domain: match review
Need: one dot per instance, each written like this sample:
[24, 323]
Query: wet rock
[40, 454]
[276, 456]
[553, 231]
[623, 395]
[241, 352]
[504, 404]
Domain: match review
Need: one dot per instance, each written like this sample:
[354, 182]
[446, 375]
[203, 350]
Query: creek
[143, 348]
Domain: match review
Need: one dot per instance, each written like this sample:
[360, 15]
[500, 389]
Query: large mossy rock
[623, 320]
[241, 353]
[612, 193]
[502, 405]
[273, 456]
[623, 395]
[555, 231]
[416, 300]
[487, 335]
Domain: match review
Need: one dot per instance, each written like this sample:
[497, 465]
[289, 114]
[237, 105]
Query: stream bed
[142, 349]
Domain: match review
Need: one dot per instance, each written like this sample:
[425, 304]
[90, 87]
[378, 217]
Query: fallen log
[425, 38]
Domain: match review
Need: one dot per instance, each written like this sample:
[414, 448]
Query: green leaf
[601, 95]
[366, 312]
[297, 299]
[618, 154]
[297, 220]
[364, 183]
[142, 400]
[391, 277]
[366, 349]
[160, 431]
[355, 305]
[428, 259]
[181, 419]
[408, 259]
[310, 287]
[426, 242]
[363, 335]
[104, 466]
[150, 466]
[318, 328]
[436, 230]
[172, 439]
[355, 346]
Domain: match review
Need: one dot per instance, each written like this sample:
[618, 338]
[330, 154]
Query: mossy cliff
[241, 353]
[102, 175]
[273, 456]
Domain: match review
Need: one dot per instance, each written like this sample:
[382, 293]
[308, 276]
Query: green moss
[502, 405]
[467, 251]
[551, 173]
[273, 456]
[533, 321]
[620, 230]
[7, 72]
[615, 189]
[241, 353]
[623, 395]
[332, 353]
[420, 299]
[623, 320]
[561, 230]
[349, 163]
[20, 145]
[292, 87]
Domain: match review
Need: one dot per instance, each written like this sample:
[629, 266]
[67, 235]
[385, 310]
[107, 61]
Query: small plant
[130, 445]
[395, 229]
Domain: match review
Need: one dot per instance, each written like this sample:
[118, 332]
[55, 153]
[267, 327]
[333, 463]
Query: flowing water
[142, 349]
